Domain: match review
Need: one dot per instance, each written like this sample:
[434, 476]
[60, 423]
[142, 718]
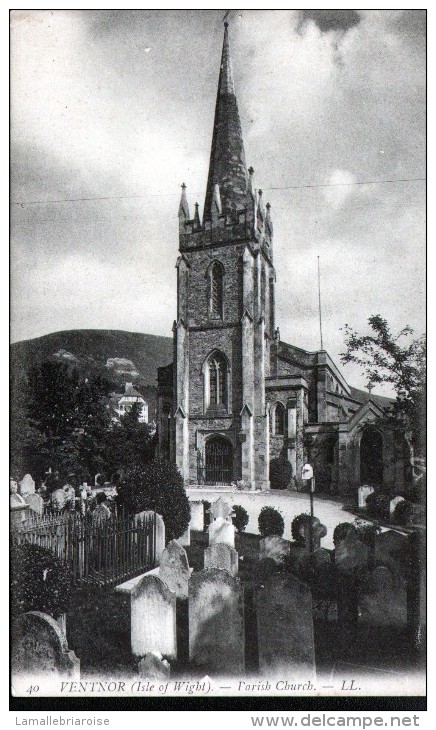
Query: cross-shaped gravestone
[222, 509]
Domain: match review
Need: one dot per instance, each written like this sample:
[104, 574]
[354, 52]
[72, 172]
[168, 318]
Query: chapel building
[236, 398]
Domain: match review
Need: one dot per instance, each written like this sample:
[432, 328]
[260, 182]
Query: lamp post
[307, 475]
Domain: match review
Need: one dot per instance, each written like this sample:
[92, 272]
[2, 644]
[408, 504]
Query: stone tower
[225, 315]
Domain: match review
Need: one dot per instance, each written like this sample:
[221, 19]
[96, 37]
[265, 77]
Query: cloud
[328, 20]
[328, 99]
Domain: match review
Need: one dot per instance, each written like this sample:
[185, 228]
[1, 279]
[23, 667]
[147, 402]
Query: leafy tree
[60, 422]
[388, 358]
[157, 486]
[130, 442]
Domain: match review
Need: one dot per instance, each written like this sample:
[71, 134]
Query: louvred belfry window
[216, 290]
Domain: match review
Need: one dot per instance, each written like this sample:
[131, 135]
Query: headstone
[27, 485]
[174, 569]
[152, 666]
[318, 531]
[58, 499]
[160, 531]
[216, 622]
[221, 509]
[35, 503]
[382, 601]
[39, 647]
[220, 530]
[351, 555]
[275, 548]
[362, 495]
[221, 556]
[197, 516]
[392, 549]
[285, 627]
[153, 618]
[17, 505]
[185, 539]
[393, 503]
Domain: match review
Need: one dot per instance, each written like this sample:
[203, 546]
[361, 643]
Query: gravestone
[174, 569]
[197, 516]
[351, 555]
[382, 600]
[153, 666]
[363, 494]
[221, 531]
[275, 548]
[27, 485]
[185, 539]
[39, 647]
[216, 622]
[285, 627]
[153, 618]
[160, 530]
[58, 499]
[35, 503]
[393, 503]
[221, 509]
[221, 556]
[17, 505]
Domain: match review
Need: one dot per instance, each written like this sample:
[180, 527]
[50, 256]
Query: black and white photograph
[218, 355]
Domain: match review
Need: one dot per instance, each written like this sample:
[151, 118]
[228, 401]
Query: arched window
[216, 275]
[216, 382]
[279, 419]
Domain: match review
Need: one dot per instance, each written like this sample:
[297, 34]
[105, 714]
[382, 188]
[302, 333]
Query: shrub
[40, 581]
[341, 531]
[280, 473]
[377, 505]
[157, 486]
[270, 522]
[403, 512]
[367, 531]
[240, 517]
[297, 523]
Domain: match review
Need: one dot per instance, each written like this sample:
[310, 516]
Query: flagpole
[319, 305]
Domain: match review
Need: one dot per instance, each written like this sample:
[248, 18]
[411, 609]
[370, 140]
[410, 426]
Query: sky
[111, 110]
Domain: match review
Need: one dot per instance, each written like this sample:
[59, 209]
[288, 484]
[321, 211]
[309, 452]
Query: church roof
[227, 167]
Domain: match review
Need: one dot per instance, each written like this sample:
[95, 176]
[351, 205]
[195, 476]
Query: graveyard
[279, 594]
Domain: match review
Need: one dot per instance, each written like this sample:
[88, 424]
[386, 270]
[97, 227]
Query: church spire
[227, 167]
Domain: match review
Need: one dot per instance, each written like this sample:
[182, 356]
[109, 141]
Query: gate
[219, 461]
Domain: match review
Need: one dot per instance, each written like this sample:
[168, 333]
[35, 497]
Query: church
[237, 403]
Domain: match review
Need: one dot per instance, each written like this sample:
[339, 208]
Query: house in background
[123, 402]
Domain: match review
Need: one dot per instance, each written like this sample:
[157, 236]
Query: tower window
[216, 290]
[216, 382]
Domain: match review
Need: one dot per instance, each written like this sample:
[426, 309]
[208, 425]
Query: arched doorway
[219, 461]
[371, 457]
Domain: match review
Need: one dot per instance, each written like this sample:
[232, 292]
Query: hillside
[121, 356]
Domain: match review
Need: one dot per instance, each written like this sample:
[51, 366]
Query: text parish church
[236, 398]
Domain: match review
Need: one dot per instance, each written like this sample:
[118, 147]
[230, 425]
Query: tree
[130, 442]
[157, 486]
[60, 422]
[388, 358]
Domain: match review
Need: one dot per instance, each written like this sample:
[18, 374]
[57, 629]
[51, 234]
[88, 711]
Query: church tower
[225, 315]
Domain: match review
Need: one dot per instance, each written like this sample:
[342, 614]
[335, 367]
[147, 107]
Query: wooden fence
[102, 553]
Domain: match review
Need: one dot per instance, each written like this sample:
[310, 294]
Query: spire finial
[183, 207]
